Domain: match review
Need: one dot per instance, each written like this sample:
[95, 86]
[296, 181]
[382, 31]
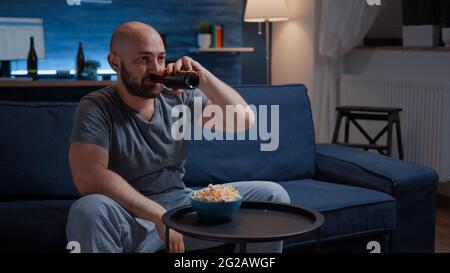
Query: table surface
[254, 222]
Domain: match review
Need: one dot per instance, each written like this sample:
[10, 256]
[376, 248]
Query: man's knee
[90, 209]
[276, 193]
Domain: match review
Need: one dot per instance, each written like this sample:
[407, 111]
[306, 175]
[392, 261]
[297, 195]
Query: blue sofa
[361, 194]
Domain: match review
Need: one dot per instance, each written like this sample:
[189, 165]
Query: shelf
[22, 83]
[405, 48]
[223, 49]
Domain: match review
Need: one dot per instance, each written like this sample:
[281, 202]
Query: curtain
[343, 25]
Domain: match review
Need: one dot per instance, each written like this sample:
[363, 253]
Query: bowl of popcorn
[216, 202]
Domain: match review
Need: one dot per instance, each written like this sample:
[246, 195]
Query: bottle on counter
[80, 61]
[32, 61]
[180, 80]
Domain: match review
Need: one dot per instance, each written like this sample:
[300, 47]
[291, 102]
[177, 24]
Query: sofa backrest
[219, 161]
[33, 150]
[34, 141]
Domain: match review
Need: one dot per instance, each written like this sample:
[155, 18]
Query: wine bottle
[180, 80]
[32, 61]
[80, 60]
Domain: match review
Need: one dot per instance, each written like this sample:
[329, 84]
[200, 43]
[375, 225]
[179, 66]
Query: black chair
[354, 113]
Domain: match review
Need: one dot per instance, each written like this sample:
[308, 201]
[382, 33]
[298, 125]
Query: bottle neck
[32, 42]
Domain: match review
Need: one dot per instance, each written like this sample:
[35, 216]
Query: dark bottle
[80, 61]
[180, 80]
[32, 61]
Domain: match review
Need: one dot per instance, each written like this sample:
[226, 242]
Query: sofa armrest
[412, 186]
[340, 164]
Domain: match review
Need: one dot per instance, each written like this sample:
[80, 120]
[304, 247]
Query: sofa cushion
[34, 226]
[33, 141]
[348, 211]
[225, 161]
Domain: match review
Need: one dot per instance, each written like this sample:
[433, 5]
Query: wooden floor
[443, 225]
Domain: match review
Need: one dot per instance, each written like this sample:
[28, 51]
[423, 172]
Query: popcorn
[217, 193]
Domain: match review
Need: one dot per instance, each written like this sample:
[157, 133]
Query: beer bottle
[180, 80]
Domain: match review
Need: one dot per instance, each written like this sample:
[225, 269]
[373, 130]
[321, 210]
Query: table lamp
[266, 11]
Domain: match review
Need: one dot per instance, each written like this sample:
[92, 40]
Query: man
[124, 160]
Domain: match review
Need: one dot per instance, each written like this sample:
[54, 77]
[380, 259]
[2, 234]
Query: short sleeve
[91, 124]
[189, 97]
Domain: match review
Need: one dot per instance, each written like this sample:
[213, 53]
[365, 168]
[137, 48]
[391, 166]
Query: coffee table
[254, 222]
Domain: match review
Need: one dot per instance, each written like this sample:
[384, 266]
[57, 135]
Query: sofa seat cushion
[348, 211]
[34, 226]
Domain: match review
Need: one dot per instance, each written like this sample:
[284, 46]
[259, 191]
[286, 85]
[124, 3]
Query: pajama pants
[99, 224]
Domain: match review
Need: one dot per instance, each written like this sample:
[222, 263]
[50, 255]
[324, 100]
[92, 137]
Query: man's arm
[220, 94]
[89, 167]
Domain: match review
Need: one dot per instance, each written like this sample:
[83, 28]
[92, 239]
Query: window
[387, 29]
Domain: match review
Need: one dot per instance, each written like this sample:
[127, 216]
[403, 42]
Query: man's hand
[218, 93]
[88, 163]
[175, 239]
[186, 64]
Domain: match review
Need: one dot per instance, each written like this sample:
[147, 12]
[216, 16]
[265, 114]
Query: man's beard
[139, 87]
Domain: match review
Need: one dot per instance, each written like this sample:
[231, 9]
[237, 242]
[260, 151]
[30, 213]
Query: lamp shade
[262, 10]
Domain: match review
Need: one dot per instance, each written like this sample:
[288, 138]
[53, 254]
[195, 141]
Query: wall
[254, 71]
[295, 56]
[93, 24]
[294, 45]
[399, 64]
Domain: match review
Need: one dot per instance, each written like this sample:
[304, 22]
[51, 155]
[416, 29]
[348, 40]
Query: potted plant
[445, 21]
[204, 34]
[421, 22]
[90, 70]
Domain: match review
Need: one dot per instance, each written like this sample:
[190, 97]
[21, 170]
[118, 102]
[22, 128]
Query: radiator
[425, 119]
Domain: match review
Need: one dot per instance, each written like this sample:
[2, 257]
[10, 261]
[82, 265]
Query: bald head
[131, 33]
[136, 51]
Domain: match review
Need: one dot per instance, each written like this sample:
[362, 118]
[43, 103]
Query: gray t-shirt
[141, 151]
